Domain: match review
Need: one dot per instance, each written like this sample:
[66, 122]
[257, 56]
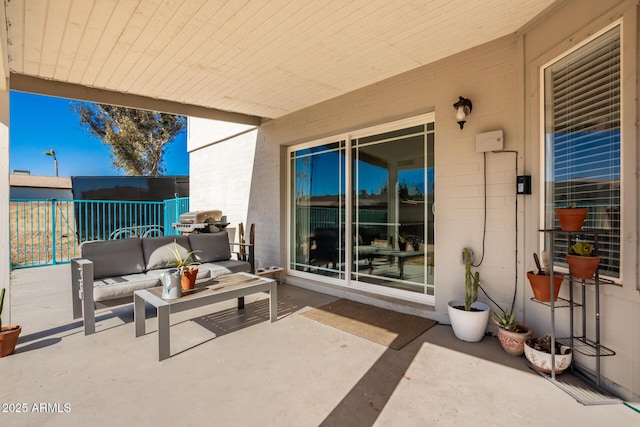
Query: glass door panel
[318, 208]
[392, 209]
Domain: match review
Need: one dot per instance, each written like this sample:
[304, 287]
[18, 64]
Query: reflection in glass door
[393, 195]
[318, 210]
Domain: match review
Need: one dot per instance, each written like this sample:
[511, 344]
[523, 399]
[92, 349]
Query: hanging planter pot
[571, 219]
[541, 285]
[583, 267]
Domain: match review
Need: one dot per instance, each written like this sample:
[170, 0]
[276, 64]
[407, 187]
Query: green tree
[137, 139]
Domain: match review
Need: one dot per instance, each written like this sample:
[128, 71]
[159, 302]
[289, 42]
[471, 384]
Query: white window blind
[582, 142]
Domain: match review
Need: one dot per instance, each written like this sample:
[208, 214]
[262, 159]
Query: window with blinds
[582, 142]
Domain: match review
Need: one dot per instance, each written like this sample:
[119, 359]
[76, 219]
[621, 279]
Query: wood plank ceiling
[265, 58]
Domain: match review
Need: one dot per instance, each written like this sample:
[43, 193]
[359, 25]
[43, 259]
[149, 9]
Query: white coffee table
[208, 291]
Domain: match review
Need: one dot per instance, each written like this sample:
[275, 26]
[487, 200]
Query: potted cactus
[583, 261]
[8, 334]
[469, 318]
[185, 268]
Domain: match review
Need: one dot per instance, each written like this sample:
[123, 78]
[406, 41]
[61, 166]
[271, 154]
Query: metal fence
[45, 232]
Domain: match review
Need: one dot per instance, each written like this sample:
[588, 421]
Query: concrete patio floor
[231, 368]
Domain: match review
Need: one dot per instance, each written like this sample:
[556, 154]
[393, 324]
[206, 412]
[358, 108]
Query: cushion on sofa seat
[213, 269]
[235, 266]
[114, 257]
[158, 251]
[122, 286]
[212, 247]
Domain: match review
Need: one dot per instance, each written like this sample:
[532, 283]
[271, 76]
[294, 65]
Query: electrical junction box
[490, 141]
[523, 184]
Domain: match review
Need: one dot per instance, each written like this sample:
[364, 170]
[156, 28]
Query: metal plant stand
[584, 387]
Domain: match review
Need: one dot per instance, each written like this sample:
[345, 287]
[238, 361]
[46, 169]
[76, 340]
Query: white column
[4, 204]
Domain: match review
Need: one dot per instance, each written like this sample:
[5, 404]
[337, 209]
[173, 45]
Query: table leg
[240, 303]
[273, 302]
[139, 315]
[401, 265]
[164, 339]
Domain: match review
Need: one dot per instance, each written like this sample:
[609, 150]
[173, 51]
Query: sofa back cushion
[114, 257]
[158, 251]
[211, 247]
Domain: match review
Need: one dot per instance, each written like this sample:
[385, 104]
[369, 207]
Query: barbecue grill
[201, 222]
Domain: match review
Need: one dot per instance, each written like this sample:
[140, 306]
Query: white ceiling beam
[23, 83]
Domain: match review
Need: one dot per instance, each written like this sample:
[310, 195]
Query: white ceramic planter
[541, 361]
[469, 326]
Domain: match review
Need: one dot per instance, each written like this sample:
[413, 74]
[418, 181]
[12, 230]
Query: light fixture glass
[463, 108]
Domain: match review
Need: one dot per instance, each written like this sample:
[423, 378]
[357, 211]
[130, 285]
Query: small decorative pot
[583, 267]
[571, 219]
[9, 339]
[513, 341]
[541, 286]
[541, 360]
[189, 279]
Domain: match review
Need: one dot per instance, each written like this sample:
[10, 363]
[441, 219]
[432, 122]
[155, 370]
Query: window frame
[543, 152]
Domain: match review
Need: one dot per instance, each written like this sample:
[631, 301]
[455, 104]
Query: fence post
[53, 231]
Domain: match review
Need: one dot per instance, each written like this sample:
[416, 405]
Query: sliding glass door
[392, 209]
[361, 209]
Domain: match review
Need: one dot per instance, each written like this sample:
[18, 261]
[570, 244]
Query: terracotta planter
[541, 360]
[513, 341]
[189, 279]
[571, 219]
[583, 267]
[9, 339]
[541, 286]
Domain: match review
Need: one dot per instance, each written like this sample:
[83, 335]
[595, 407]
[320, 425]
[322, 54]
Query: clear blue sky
[41, 123]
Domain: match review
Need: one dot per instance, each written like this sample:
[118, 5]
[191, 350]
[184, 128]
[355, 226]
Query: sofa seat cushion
[114, 257]
[234, 266]
[158, 251]
[210, 247]
[214, 269]
[122, 286]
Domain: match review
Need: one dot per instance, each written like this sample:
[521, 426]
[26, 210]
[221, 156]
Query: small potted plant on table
[185, 268]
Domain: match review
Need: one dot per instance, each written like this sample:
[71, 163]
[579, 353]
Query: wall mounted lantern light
[463, 108]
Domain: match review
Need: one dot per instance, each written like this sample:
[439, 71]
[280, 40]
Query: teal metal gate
[46, 232]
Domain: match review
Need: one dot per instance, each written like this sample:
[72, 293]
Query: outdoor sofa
[109, 271]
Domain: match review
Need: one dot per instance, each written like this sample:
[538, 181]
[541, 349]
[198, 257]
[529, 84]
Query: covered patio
[231, 368]
[262, 83]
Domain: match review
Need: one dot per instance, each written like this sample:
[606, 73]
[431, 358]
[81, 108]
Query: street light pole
[55, 160]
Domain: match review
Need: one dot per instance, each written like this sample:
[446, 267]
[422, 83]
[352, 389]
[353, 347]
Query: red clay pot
[9, 339]
[571, 219]
[541, 286]
[583, 267]
[188, 281]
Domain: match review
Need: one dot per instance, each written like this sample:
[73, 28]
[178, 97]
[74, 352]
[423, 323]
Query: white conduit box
[490, 141]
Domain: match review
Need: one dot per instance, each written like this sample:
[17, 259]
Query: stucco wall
[488, 75]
